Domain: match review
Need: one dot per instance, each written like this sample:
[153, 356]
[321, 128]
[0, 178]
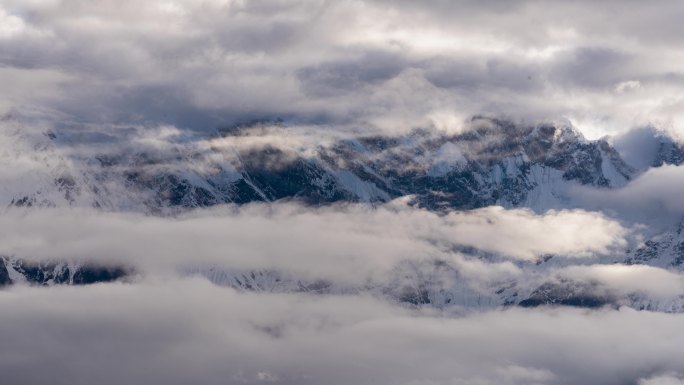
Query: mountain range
[496, 162]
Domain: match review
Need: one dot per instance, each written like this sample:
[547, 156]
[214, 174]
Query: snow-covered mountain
[494, 163]
[498, 163]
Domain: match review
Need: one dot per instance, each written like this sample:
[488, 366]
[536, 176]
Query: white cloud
[348, 243]
[628, 86]
[665, 379]
[10, 25]
[524, 235]
[623, 280]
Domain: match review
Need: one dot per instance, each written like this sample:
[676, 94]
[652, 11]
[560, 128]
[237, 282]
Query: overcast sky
[606, 66]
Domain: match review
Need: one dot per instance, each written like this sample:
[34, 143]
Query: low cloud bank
[347, 243]
[182, 331]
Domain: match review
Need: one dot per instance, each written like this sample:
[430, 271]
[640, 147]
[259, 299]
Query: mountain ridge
[496, 162]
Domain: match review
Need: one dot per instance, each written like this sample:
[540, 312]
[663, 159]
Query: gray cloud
[337, 78]
[175, 332]
[392, 66]
[654, 197]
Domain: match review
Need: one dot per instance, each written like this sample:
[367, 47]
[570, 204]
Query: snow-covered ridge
[165, 171]
[495, 163]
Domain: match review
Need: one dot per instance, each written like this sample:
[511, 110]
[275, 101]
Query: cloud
[624, 280]
[379, 65]
[526, 236]
[652, 197]
[665, 379]
[639, 147]
[349, 243]
[627, 86]
[180, 331]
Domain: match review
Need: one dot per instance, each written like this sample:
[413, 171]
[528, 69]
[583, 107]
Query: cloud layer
[175, 332]
[347, 243]
[378, 64]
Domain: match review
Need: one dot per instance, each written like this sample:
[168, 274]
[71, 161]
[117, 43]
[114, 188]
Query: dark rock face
[566, 293]
[645, 253]
[55, 273]
[669, 152]
[279, 176]
[4, 275]
[679, 257]
[42, 273]
[87, 275]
